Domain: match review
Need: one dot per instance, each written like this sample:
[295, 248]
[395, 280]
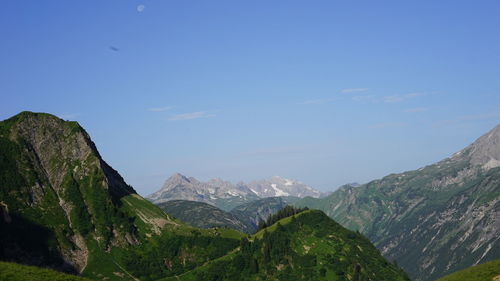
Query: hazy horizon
[327, 94]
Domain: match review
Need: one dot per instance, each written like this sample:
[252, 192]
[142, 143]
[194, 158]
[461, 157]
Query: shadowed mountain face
[432, 221]
[244, 218]
[203, 215]
[253, 213]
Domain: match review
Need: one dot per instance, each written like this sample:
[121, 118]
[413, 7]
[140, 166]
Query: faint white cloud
[494, 114]
[364, 98]
[416, 109]
[159, 109]
[191, 116]
[353, 90]
[317, 101]
[400, 98]
[274, 150]
[481, 116]
[386, 125]
[140, 8]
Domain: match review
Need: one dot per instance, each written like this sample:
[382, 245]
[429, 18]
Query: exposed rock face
[58, 195]
[432, 221]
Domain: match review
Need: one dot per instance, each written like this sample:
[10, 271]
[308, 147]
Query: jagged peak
[179, 178]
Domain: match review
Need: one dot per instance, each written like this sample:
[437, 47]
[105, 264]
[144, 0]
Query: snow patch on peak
[279, 192]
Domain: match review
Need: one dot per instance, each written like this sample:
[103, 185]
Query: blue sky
[326, 92]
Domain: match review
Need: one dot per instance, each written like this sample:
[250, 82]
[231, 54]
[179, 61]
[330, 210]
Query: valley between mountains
[65, 214]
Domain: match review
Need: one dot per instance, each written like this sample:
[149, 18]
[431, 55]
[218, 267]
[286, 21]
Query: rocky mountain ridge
[227, 195]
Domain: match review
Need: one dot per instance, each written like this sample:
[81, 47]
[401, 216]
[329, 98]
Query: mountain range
[226, 195]
[63, 207]
[434, 220]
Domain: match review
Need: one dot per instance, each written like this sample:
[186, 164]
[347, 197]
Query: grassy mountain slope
[16, 272]
[307, 246]
[489, 271]
[432, 221]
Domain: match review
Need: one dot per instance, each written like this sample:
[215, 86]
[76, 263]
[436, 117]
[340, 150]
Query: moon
[140, 8]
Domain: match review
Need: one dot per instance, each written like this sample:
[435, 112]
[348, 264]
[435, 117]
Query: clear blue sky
[326, 92]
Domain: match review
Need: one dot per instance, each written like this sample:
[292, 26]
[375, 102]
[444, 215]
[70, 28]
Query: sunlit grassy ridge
[489, 271]
[16, 272]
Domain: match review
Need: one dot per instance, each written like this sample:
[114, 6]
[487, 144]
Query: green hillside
[307, 246]
[489, 271]
[16, 272]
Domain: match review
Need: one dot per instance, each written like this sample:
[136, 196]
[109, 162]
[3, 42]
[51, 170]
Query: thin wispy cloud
[316, 101]
[364, 98]
[140, 8]
[400, 98]
[416, 110]
[160, 109]
[386, 125]
[191, 116]
[353, 90]
[492, 115]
